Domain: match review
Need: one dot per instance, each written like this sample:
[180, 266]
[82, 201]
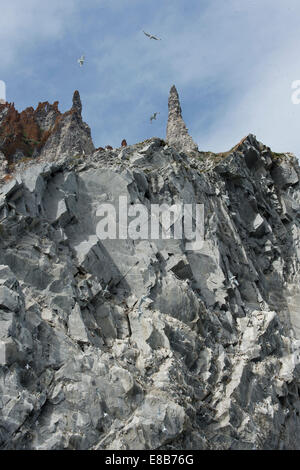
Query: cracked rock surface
[140, 344]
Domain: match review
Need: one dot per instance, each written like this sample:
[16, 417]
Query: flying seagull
[81, 60]
[153, 117]
[233, 280]
[151, 36]
[105, 291]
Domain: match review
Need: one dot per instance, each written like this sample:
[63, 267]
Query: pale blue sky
[232, 61]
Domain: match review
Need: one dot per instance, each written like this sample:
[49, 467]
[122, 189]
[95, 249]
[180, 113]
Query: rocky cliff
[43, 132]
[142, 344]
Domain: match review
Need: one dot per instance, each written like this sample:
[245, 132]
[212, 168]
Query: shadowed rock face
[177, 132]
[144, 344]
[25, 134]
[77, 106]
[46, 115]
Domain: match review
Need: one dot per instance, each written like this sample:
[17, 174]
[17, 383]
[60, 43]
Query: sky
[233, 63]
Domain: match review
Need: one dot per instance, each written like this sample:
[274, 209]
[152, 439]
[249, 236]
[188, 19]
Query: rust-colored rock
[23, 134]
[43, 131]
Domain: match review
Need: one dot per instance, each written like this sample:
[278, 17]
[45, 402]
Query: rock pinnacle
[77, 106]
[177, 132]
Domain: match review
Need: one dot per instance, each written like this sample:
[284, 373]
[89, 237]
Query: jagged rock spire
[77, 106]
[71, 136]
[177, 132]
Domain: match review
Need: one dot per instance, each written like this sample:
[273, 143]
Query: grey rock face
[177, 133]
[71, 136]
[141, 344]
[46, 115]
[3, 113]
[3, 165]
[77, 106]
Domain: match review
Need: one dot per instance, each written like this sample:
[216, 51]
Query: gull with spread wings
[153, 117]
[151, 36]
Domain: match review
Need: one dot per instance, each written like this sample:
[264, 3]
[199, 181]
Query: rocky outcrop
[143, 344]
[43, 131]
[46, 115]
[177, 132]
[70, 136]
[20, 134]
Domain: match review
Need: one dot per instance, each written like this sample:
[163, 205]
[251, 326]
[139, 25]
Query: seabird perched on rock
[143, 299]
[140, 304]
[151, 36]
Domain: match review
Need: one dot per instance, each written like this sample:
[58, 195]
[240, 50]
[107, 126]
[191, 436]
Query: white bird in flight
[151, 36]
[81, 60]
[106, 290]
